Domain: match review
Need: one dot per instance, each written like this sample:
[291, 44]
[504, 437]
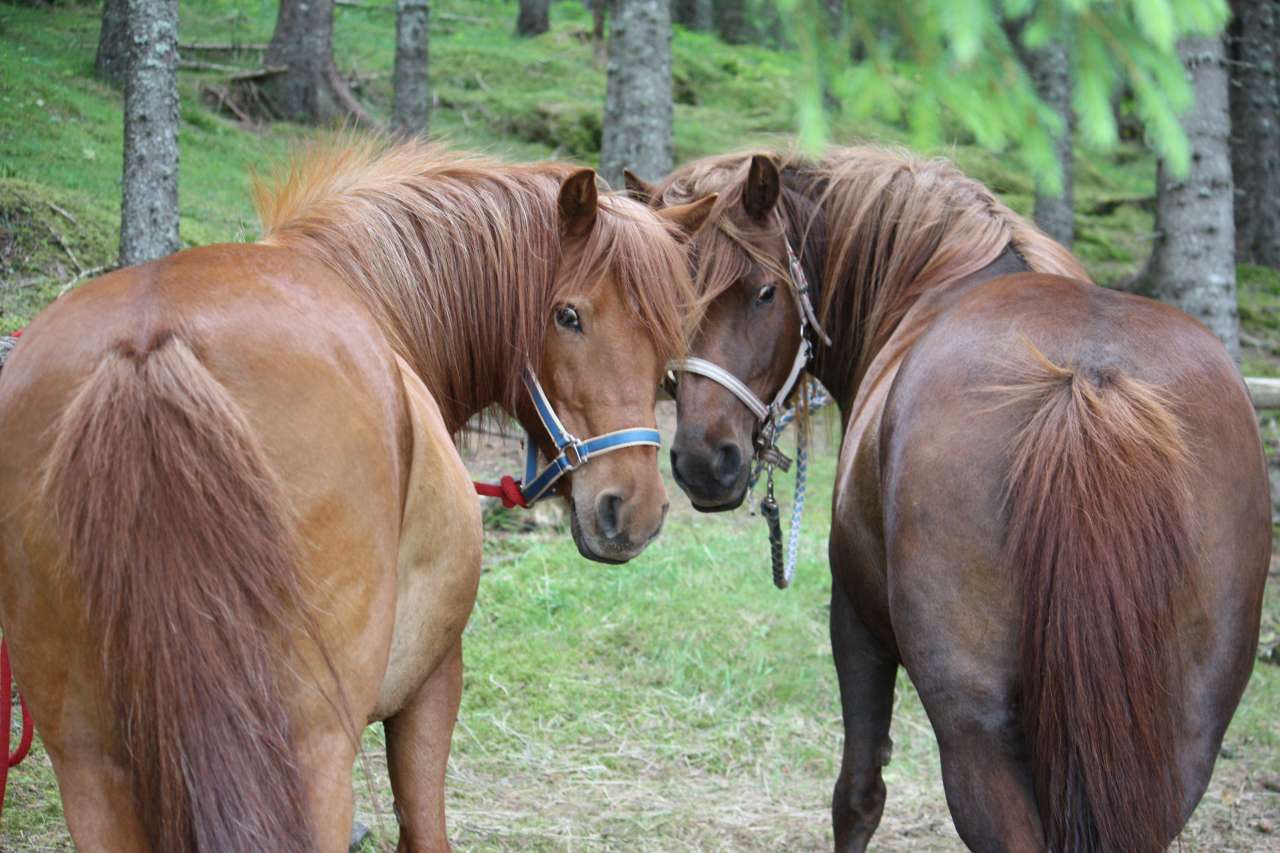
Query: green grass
[677, 702]
[680, 702]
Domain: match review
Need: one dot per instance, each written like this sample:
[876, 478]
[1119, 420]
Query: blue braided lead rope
[784, 569]
[797, 510]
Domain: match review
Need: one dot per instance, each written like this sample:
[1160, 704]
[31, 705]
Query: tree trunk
[309, 89]
[113, 43]
[1255, 129]
[731, 20]
[1192, 263]
[1050, 69]
[599, 12]
[693, 14]
[637, 116]
[410, 80]
[534, 18]
[149, 209]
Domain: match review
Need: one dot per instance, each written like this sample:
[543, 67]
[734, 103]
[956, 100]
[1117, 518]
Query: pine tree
[1192, 263]
[1255, 129]
[308, 87]
[534, 18]
[149, 208]
[638, 107]
[410, 78]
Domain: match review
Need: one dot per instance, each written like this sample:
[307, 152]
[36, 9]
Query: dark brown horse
[1051, 506]
[234, 525]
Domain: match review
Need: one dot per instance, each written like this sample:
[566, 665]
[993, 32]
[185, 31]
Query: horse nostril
[679, 461]
[608, 507]
[728, 464]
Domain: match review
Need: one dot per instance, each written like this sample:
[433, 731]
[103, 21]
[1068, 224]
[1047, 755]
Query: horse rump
[184, 547]
[1099, 530]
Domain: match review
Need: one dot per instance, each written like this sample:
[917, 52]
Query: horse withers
[235, 525]
[1051, 505]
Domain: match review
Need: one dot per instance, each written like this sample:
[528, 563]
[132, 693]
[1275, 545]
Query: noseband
[571, 452]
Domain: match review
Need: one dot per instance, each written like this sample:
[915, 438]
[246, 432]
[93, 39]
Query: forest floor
[678, 702]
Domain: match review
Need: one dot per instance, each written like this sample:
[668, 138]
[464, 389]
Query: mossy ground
[675, 703]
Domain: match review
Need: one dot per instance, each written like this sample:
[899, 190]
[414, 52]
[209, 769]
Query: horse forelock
[459, 256]
[730, 245]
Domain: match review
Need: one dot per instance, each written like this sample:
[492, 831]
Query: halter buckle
[574, 456]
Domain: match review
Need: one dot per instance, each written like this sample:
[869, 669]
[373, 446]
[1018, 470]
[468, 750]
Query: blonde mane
[459, 256]
[896, 226]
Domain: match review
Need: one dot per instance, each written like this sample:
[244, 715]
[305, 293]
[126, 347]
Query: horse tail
[184, 545]
[1099, 527]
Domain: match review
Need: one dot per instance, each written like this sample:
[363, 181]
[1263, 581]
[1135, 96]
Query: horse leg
[326, 759]
[866, 674]
[98, 801]
[418, 739]
[986, 769]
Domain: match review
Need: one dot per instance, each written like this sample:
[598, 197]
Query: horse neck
[840, 366]
[466, 327]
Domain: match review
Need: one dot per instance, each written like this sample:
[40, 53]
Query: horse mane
[459, 256]
[888, 225]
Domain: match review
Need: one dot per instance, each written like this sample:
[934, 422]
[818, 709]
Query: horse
[236, 528]
[1051, 505]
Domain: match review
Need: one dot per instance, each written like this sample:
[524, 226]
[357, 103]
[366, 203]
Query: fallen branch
[214, 47]
[62, 213]
[259, 73]
[198, 65]
[368, 7]
[89, 273]
[66, 248]
[466, 19]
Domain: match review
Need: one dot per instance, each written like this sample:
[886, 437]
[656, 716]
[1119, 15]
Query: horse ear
[689, 218]
[578, 204]
[638, 188]
[764, 185]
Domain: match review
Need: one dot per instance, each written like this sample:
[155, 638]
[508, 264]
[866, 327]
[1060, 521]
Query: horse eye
[765, 296]
[567, 318]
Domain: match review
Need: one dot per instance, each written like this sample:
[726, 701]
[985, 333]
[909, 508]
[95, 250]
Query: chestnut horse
[236, 527]
[1051, 505]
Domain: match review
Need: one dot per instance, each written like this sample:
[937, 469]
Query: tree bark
[149, 209]
[309, 89]
[638, 110]
[1192, 263]
[693, 14]
[534, 18]
[731, 20]
[410, 79]
[112, 59]
[1255, 129]
[1050, 69]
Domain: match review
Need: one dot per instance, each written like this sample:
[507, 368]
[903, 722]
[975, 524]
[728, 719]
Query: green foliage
[951, 68]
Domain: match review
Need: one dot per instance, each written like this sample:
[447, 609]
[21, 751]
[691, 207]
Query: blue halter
[572, 452]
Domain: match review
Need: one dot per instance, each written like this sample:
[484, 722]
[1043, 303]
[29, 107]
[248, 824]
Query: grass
[678, 702]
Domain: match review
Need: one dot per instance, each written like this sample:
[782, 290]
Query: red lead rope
[6, 717]
[507, 489]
